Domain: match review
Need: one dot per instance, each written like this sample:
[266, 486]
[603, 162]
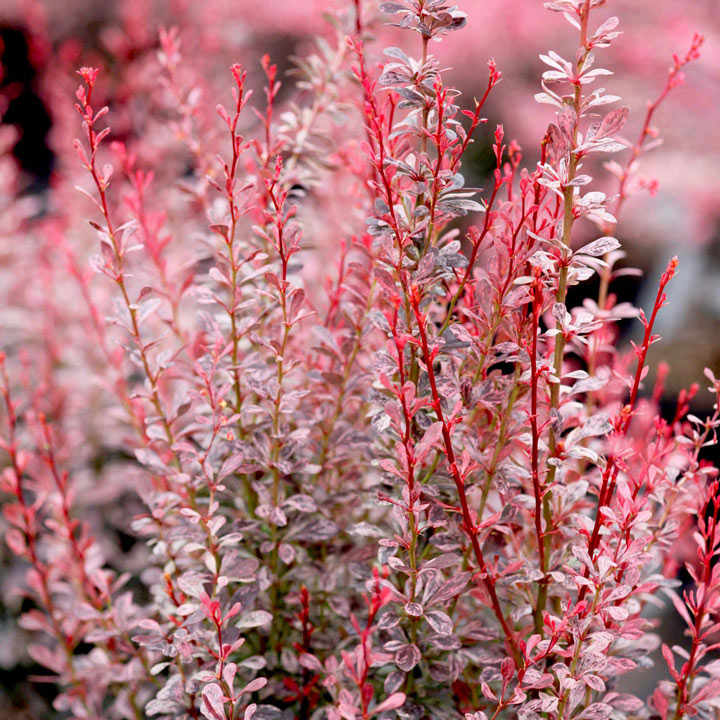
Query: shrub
[323, 435]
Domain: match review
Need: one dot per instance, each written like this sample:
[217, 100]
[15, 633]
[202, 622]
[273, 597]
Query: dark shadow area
[24, 109]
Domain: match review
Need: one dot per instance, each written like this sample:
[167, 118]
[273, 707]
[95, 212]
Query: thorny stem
[29, 530]
[408, 447]
[88, 588]
[154, 245]
[279, 222]
[560, 296]
[470, 526]
[229, 236]
[535, 449]
[116, 271]
[610, 473]
[488, 211]
[377, 138]
[94, 139]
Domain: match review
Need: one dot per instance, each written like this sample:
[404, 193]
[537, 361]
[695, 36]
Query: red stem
[534, 461]
[612, 470]
[470, 526]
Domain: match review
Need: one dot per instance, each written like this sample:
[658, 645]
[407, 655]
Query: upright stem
[470, 526]
[560, 297]
[535, 450]
[610, 473]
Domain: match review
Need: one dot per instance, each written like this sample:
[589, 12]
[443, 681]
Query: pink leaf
[660, 702]
[407, 657]
[395, 701]
[254, 685]
[670, 660]
[213, 702]
[612, 123]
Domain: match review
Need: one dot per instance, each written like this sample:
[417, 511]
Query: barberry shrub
[320, 434]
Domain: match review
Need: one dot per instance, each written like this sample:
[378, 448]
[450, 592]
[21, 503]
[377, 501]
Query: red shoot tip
[671, 268]
[270, 70]
[697, 41]
[89, 75]
[238, 73]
